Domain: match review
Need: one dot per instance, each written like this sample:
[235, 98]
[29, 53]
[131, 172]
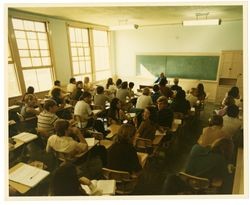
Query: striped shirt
[46, 121]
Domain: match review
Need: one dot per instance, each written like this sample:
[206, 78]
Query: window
[33, 48]
[101, 54]
[13, 86]
[80, 52]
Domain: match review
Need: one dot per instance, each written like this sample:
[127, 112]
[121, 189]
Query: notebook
[25, 137]
[90, 141]
[28, 175]
[107, 187]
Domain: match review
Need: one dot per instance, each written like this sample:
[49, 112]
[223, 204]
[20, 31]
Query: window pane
[13, 89]
[101, 58]
[44, 79]
[34, 53]
[29, 25]
[85, 35]
[43, 44]
[102, 75]
[80, 51]
[42, 36]
[26, 62]
[78, 35]
[46, 61]
[33, 44]
[72, 35]
[74, 51]
[88, 66]
[44, 52]
[31, 35]
[20, 34]
[36, 61]
[22, 44]
[100, 38]
[30, 79]
[79, 78]
[75, 68]
[17, 24]
[40, 26]
[87, 51]
[24, 53]
[82, 66]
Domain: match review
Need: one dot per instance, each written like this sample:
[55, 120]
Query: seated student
[123, 93]
[130, 89]
[165, 114]
[122, 155]
[201, 95]
[110, 88]
[57, 84]
[65, 182]
[180, 104]
[148, 126]
[100, 98]
[232, 95]
[115, 113]
[156, 94]
[118, 83]
[30, 90]
[47, 118]
[192, 97]
[212, 132]
[176, 87]
[231, 122]
[162, 76]
[228, 101]
[212, 162]
[165, 90]
[83, 109]
[75, 95]
[28, 109]
[87, 85]
[72, 85]
[64, 143]
[144, 100]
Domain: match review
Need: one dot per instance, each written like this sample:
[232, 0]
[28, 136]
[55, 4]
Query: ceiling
[147, 15]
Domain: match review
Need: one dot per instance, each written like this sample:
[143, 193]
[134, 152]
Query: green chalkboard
[189, 67]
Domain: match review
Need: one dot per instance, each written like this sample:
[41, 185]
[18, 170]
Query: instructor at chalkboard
[162, 76]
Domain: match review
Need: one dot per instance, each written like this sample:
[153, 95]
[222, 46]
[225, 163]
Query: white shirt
[143, 101]
[71, 87]
[84, 111]
[231, 125]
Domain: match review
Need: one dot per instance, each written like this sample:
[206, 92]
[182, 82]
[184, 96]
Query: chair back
[124, 182]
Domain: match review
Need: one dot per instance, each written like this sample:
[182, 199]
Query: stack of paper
[107, 187]
[28, 175]
[25, 137]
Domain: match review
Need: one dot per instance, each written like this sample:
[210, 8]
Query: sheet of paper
[28, 175]
[90, 141]
[107, 186]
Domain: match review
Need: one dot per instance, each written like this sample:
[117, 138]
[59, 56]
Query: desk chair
[125, 183]
[27, 124]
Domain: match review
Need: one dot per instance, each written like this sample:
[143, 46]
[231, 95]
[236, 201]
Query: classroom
[177, 109]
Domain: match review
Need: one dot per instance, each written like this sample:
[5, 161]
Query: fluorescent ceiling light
[202, 22]
[124, 27]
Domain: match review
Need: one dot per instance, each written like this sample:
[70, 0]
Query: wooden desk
[113, 130]
[14, 108]
[238, 185]
[106, 143]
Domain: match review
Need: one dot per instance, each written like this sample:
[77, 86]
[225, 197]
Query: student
[130, 89]
[156, 94]
[78, 91]
[63, 142]
[123, 93]
[118, 83]
[29, 108]
[212, 163]
[87, 85]
[176, 87]
[201, 95]
[144, 100]
[57, 84]
[192, 97]
[212, 132]
[122, 155]
[165, 91]
[100, 98]
[231, 122]
[115, 113]
[148, 126]
[165, 114]
[111, 88]
[30, 90]
[180, 104]
[72, 85]
[162, 76]
[232, 95]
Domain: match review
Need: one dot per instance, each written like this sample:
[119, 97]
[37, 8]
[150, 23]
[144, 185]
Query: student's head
[156, 88]
[110, 81]
[233, 111]
[72, 80]
[229, 100]
[124, 85]
[50, 106]
[57, 83]
[162, 75]
[216, 120]
[118, 82]
[79, 84]
[86, 96]
[61, 126]
[163, 82]
[162, 102]
[131, 85]
[150, 113]
[30, 100]
[223, 146]
[65, 181]
[234, 92]
[176, 81]
[86, 79]
[30, 90]
[56, 92]
[200, 87]
[125, 133]
[146, 91]
[180, 95]
[100, 89]
[115, 104]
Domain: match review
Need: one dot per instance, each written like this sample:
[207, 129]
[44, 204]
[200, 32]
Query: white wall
[174, 39]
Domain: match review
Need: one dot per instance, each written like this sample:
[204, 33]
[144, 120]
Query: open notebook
[25, 137]
[28, 175]
[107, 187]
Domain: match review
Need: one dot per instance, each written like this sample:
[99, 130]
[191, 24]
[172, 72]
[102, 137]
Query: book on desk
[25, 137]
